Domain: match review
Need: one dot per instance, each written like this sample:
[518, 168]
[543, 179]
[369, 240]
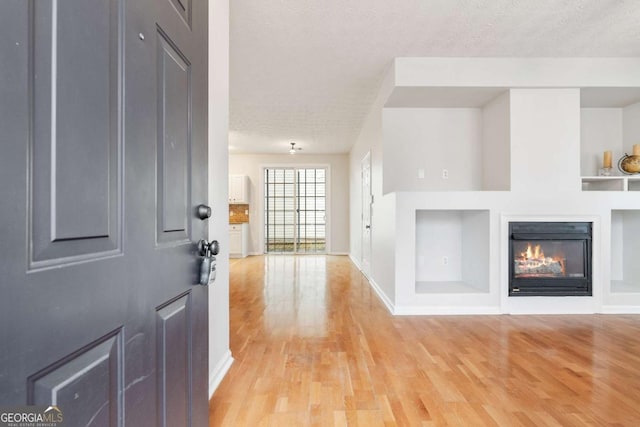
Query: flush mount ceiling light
[293, 148]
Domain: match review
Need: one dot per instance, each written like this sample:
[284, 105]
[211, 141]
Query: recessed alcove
[609, 121]
[625, 247]
[448, 139]
[452, 251]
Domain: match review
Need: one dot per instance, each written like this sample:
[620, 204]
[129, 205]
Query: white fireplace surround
[467, 145]
[551, 305]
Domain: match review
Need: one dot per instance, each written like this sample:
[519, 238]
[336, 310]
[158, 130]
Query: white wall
[516, 72]
[617, 245]
[631, 245]
[476, 249]
[383, 216]
[600, 130]
[338, 217]
[438, 235]
[430, 140]
[219, 354]
[630, 129]
[496, 144]
[545, 140]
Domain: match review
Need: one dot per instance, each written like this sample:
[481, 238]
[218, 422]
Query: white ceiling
[308, 71]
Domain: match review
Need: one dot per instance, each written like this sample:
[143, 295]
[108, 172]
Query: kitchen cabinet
[239, 189]
[238, 240]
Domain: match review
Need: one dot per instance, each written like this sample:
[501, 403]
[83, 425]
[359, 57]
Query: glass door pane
[311, 211]
[279, 211]
[295, 210]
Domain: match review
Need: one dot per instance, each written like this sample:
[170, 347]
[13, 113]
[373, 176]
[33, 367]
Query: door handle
[368, 227]
[208, 250]
[203, 212]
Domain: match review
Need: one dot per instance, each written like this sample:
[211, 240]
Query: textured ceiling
[308, 71]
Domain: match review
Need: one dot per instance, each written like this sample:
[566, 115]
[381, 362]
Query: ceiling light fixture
[292, 150]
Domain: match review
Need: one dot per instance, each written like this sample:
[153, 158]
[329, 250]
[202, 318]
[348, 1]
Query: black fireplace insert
[550, 259]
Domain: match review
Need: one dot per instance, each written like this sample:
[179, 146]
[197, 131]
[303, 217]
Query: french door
[295, 203]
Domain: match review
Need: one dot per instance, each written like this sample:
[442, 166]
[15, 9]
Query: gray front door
[103, 158]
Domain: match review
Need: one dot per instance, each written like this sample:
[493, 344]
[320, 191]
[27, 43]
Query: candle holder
[605, 171]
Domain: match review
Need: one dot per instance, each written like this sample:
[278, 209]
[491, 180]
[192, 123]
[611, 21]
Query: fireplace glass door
[550, 258]
[539, 258]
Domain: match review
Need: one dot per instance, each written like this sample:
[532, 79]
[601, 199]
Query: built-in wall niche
[625, 247]
[609, 121]
[452, 251]
[454, 139]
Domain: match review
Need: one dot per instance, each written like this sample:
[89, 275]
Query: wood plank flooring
[314, 346]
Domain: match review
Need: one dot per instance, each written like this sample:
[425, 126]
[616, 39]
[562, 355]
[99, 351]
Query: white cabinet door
[238, 240]
[239, 189]
[235, 242]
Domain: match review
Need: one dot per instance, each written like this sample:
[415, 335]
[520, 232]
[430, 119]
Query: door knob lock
[214, 247]
[208, 250]
[203, 212]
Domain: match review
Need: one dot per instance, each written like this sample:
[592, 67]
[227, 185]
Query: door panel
[97, 316]
[183, 7]
[174, 367]
[87, 384]
[174, 143]
[74, 218]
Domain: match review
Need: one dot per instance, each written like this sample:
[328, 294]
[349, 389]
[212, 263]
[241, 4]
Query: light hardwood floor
[314, 346]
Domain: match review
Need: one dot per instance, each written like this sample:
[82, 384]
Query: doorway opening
[295, 204]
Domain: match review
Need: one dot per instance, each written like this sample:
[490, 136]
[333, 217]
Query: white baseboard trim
[255, 253]
[355, 262]
[621, 309]
[444, 311]
[383, 297]
[338, 253]
[219, 371]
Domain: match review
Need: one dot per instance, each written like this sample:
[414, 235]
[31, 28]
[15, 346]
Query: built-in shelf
[468, 142]
[611, 183]
[452, 251]
[608, 126]
[625, 247]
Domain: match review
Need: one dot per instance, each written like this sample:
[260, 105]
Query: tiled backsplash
[238, 214]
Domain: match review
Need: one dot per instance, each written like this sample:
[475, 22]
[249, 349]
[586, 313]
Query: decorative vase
[629, 165]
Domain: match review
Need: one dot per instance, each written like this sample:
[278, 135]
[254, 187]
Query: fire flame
[534, 261]
[536, 253]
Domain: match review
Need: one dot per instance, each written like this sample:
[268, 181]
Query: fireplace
[550, 259]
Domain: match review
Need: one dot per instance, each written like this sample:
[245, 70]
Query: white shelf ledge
[611, 183]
